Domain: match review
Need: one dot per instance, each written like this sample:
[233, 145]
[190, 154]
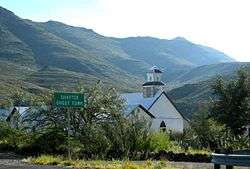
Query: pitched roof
[21, 111]
[165, 94]
[150, 114]
[136, 99]
[4, 113]
[155, 69]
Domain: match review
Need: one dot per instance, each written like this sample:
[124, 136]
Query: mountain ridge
[57, 56]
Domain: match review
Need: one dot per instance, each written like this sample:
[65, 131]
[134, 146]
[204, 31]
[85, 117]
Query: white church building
[154, 105]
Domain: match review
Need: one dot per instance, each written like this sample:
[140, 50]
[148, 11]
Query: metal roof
[157, 83]
[154, 69]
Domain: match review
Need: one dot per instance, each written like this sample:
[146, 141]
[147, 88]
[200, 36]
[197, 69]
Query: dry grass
[60, 161]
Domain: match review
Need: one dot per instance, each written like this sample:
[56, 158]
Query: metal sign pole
[69, 100]
[68, 117]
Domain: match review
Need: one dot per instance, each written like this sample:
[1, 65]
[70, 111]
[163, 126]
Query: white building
[154, 105]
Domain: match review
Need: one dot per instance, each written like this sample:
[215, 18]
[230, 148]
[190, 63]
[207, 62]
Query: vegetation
[101, 131]
[221, 125]
[52, 160]
[161, 141]
[232, 105]
[36, 58]
[98, 131]
[190, 97]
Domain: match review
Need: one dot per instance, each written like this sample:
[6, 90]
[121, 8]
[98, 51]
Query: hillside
[189, 97]
[176, 56]
[53, 55]
[206, 72]
[28, 44]
[82, 50]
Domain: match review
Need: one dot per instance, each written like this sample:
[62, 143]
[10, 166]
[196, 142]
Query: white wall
[140, 114]
[164, 110]
[175, 125]
[153, 77]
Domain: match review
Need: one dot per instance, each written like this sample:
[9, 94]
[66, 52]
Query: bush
[161, 141]
[47, 160]
[52, 141]
[12, 138]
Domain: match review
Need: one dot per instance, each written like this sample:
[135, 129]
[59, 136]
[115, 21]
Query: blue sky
[222, 24]
[43, 10]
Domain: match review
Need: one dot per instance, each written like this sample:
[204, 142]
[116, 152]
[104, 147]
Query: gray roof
[4, 113]
[133, 100]
[22, 110]
[155, 69]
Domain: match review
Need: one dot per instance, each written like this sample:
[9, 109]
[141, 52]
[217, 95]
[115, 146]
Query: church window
[163, 126]
[150, 78]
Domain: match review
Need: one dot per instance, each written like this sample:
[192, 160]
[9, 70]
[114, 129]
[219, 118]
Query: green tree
[200, 125]
[98, 130]
[232, 104]
[205, 132]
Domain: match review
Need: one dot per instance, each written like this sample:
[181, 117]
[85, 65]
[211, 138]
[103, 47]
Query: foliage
[232, 105]
[99, 130]
[207, 133]
[12, 138]
[46, 160]
[161, 141]
[60, 161]
[221, 124]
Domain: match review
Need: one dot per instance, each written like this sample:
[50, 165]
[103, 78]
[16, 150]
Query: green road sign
[62, 99]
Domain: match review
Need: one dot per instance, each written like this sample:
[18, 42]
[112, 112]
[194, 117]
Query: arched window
[163, 126]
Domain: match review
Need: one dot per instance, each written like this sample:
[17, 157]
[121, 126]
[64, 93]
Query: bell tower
[154, 83]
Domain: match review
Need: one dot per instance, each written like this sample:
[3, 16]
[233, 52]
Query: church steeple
[154, 83]
[154, 74]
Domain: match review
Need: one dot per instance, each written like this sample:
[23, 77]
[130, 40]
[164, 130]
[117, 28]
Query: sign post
[69, 100]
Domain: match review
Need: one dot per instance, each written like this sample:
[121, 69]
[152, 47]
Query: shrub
[47, 160]
[161, 141]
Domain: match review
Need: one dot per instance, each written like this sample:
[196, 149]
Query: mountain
[82, 50]
[176, 56]
[207, 72]
[53, 55]
[135, 55]
[189, 97]
[26, 43]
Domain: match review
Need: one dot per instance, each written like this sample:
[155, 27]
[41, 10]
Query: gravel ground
[17, 164]
[12, 161]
